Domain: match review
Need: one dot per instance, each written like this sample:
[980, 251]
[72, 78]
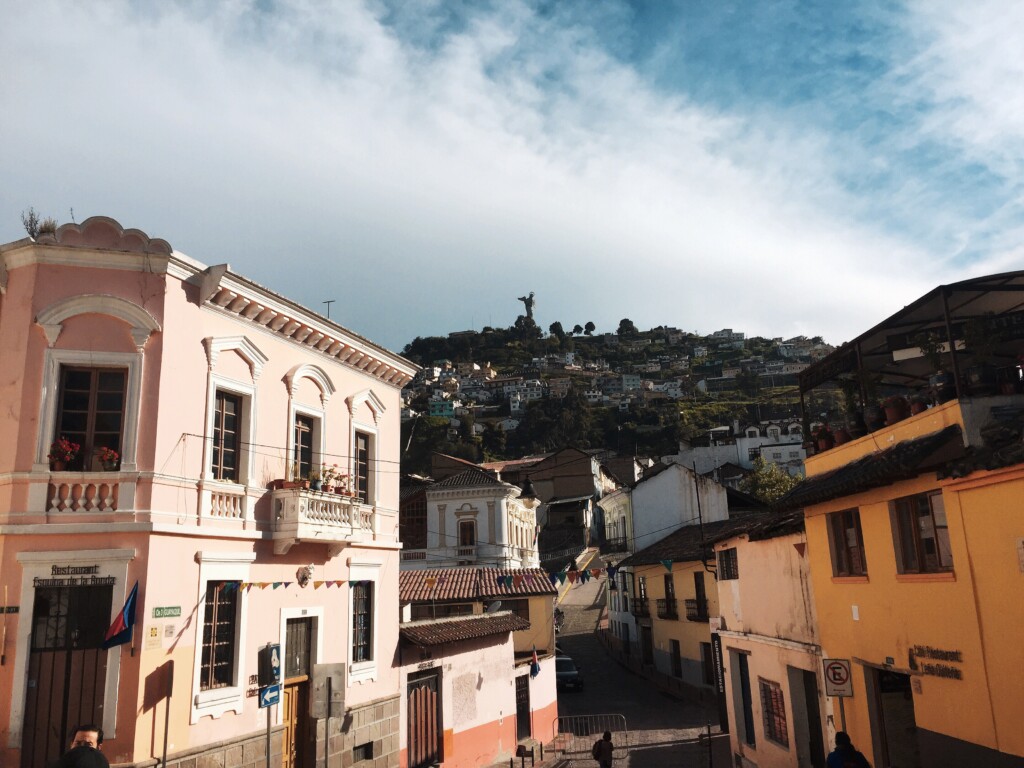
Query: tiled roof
[904, 460]
[775, 526]
[470, 584]
[429, 633]
[686, 544]
[471, 478]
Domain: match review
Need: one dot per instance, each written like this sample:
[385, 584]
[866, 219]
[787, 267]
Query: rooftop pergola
[890, 355]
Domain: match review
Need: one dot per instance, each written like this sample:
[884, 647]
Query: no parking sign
[837, 677]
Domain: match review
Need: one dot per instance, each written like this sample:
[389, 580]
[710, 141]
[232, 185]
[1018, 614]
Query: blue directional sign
[270, 695]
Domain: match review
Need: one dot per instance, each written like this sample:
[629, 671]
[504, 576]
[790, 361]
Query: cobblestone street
[662, 730]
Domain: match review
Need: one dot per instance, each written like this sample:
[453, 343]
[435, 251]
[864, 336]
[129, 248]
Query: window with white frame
[364, 451]
[363, 621]
[219, 667]
[90, 412]
[226, 454]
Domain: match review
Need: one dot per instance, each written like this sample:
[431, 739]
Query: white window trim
[373, 482]
[112, 562]
[220, 566]
[319, 420]
[315, 612]
[53, 359]
[248, 422]
[364, 671]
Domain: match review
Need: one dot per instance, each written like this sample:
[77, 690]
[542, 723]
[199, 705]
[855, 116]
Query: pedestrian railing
[575, 736]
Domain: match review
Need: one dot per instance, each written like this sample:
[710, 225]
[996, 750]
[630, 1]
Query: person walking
[603, 750]
[844, 755]
[84, 751]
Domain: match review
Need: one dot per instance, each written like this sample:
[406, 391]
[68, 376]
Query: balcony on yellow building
[668, 609]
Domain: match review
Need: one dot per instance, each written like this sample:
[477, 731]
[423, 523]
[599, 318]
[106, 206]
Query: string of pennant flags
[245, 586]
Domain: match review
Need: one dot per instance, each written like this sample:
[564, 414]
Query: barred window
[220, 628]
[728, 565]
[774, 708]
[362, 621]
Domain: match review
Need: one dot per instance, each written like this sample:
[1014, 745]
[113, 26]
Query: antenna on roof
[328, 303]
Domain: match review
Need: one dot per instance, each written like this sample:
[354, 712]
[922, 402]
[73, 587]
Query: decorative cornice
[315, 374]
[240, 344]
[368, 396]
[106, 233]
[142, 323]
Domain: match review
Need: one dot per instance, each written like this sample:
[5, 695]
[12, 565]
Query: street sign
[837, 677]
[269, 666]
[270, 695]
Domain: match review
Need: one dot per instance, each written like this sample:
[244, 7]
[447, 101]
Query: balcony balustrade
[640, 608]
[302, 515]
[83, 492]
[667, 609]
[696, 610]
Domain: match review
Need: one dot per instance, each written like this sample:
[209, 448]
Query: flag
[534, 664]
[120, 631]
[668, 565]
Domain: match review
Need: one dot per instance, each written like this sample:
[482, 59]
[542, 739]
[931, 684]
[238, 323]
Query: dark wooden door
[646, 645]
[523, 725]
[816, 746]
[296, 750]
[67, 668]
[424, 719]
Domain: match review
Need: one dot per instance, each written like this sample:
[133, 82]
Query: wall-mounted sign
[838, 681]
[923, 658]
[166, 612]
[74, 576]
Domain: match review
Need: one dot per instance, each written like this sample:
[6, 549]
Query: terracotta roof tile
[471, 478]
[470, 584]
[429, 633]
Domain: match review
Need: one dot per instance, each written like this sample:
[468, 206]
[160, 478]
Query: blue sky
[776, 167]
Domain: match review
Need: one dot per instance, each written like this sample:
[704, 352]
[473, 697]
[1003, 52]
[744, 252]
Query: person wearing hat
[844, 755]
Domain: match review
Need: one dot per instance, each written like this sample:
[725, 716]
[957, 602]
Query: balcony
[86, 492]
[667, 609]
[414, 554]
[696, 610]
[609, 546]
[304, 516]
[641, 609]
[466, 553]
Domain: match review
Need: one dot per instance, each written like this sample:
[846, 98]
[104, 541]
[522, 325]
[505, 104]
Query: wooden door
[523, 727]
[296, 744]
[67, 668]
[424, 719]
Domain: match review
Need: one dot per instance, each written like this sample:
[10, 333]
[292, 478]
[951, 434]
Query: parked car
[567, 674]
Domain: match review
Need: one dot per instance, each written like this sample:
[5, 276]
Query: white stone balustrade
[315, 516]
[80, 492]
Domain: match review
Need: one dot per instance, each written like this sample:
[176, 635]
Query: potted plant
[823, 438]
[896, 408]
[341, 484]
[940, 382]
[328, 477]
[315, 483]
[62, 452]
[108, 458]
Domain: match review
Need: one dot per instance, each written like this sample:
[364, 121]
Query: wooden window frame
[906, 514]
[218, 467]
[840, 526]
[87, 439]
[216, 602]
[362, 469]
[728, 564]
[362, 611]
[773, 712]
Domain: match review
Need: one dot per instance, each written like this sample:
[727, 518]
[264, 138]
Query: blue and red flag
[120, 631]
[534, 664]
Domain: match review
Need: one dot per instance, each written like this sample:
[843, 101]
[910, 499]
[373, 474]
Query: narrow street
[662, 730]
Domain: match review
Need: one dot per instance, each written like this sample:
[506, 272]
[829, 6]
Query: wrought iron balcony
[640, 608]
[302, 515]
[614, 545]
[696, 610]
[667, 609]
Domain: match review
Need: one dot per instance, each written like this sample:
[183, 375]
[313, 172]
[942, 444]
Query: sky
[775, 167]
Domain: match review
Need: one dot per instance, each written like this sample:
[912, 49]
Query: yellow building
[915, 533]
[674, 598]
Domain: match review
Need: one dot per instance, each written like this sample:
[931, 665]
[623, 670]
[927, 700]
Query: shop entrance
[894, 719]
[67, 668]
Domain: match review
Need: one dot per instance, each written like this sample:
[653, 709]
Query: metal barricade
[575, 736]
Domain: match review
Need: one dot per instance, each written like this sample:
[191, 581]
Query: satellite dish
[493, 606]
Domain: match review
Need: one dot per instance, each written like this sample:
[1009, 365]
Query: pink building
[216, 395]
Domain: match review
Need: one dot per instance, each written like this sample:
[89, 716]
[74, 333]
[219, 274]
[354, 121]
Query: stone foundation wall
[375, 723]
[248, 752]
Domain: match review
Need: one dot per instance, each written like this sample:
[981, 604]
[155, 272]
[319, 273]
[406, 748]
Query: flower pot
[109, 466]
[918, 405]
[825, 442]
[58, 466]
[315, 485]
[896, 409]
[874, 417]
[842, 435]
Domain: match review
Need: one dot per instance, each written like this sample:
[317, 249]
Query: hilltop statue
[528, 303]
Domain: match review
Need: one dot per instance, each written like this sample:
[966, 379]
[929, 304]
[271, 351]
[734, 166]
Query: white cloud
[425, 187]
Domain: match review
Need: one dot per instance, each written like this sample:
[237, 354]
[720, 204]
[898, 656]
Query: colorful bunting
[517, 580]
[595, 572]
[572, 577]
[553, 578]
[317, 584]
[668, 565]
[431, 581]
[277, 584]
[612, 570]
[561, 577]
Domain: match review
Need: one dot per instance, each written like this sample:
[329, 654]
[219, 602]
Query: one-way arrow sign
[270, 695]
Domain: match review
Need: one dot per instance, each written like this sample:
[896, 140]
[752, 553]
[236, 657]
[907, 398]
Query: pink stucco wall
[168, 521]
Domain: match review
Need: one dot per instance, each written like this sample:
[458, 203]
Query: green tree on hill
[768, 481]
